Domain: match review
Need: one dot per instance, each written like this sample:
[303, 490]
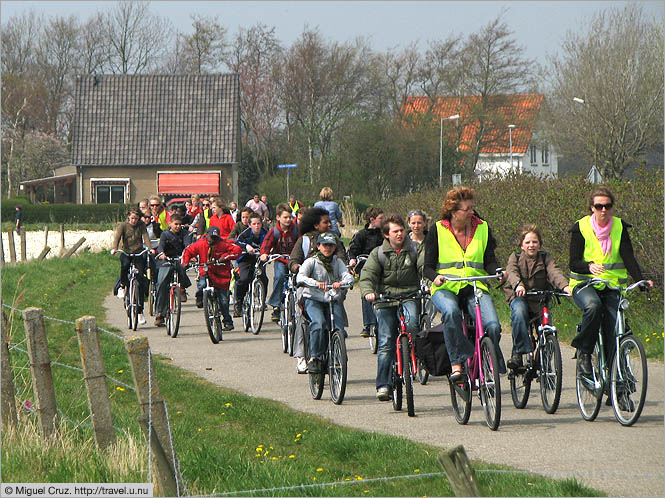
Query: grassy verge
[226, 440]
[55, 227]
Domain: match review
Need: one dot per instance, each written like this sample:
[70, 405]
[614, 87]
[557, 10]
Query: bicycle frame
[402, 332]
[543, 322]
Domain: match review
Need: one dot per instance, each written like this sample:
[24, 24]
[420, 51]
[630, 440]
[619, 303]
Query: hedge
[554, 205]
[64, 213]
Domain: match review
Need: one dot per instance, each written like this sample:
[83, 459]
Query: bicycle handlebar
[328, 286]
[642, 284]
[546, 292]
[498, 274]
[387, 298]
[134, 254]
[212, 262]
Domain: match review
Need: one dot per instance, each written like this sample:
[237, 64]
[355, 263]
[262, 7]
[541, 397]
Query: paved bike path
[622, 461]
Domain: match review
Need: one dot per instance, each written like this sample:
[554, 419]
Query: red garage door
[188, 183]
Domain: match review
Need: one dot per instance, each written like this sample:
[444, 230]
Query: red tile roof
[520, 109]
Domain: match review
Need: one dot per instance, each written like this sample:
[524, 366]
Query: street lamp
[510, 138]
[449, 118]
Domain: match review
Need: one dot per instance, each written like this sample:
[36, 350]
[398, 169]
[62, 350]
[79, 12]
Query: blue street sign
[287, 165]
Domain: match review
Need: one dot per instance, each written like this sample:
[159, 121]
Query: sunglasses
[599, 207]
[206, 205]
[154, 205]
[417, 212]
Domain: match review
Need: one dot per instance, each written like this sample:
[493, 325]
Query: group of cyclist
[397, 258]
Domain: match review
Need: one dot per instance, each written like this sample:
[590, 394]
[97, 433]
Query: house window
[109, 194]
[545, 154]
[532, 150]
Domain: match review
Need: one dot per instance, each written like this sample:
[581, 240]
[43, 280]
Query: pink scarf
[602, 233]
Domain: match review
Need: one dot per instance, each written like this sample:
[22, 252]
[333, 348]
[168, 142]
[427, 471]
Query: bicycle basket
[431, 350]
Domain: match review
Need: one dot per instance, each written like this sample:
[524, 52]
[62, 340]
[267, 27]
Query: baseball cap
[327, 238]
[213, 231]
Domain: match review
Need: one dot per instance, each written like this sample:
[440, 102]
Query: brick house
[530, 151]
[134, 136]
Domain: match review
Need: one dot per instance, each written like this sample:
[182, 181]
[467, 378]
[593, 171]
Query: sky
[538, 26]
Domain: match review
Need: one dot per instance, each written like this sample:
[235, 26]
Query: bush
[65, 213]
[510, 202]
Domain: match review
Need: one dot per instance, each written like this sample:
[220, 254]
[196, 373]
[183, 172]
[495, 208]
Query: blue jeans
[388, 324]
[318, 314]
[599, 308]
[163, 283]
[369, 317]
[519, 322]
[279, 278]
[222, 299]
[458, 345]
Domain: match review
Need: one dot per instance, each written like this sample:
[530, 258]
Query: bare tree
[442, 69]
[135, 38]
[615, 67]
[91, 46]
[203, 51]
[255, 56]
[20, 35]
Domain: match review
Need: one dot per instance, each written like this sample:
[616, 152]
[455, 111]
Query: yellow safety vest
[163, 224]
[295, 208]
[615, 269]
[457, 262]
[206, 216]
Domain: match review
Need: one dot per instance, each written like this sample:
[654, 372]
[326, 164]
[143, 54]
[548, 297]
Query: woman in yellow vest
[599, 248]
[461, 244]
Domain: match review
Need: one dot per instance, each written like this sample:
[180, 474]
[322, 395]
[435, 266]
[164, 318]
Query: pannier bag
[431, 351]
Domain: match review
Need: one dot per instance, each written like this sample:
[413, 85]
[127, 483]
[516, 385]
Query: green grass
[55, 227]
[225, 440]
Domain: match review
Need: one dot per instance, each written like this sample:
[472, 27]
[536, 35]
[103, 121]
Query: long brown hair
[453, 199]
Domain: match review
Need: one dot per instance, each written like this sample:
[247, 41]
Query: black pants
[125, 263]
[245, 276]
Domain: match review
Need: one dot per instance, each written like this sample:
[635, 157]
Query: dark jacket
[364, 241]
[172, 244]
[237, 230]
[246, 238]
[534, 274]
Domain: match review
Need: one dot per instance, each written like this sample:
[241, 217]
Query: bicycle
[404, 367]
[211, 305]
[288, 318]
[335, 361]
[254, 304]
[372, 329]
[626, 374]
[425, 320]
[132, 295]
[152, 282]
[543, 363]
[482, 368]
[172, 317]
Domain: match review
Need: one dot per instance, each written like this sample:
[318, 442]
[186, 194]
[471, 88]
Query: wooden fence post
[9, 417]
[95, 381]
[62, 239]
[12, 245]
[45, 235]
[166, 483]
[24, 250]
[44, 252]
[40, 366]
[2, 250]
[74, 249]
[458, 469]
[143, 372]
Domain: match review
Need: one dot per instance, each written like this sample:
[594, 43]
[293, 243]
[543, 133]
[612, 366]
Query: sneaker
[237, 311]
[625, 403]
[275, 315]
[515, 361]
[141, 319]
[301, 365]
[584, 365]
[199, 301]
[159, 320]
[383, 393]
[314, 366]
[364, 332]
[228, 326]
[183, 295]
[121, 293]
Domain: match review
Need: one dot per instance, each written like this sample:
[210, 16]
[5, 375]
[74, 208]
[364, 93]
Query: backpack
[382, 257]
[277, 234]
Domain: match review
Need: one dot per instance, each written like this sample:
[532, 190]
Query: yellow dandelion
[304, 430]
[223, 413]
[292, 456]
[259, 449]
[347, 478]
[119, 388]
[179, 412]
[199, 429]
[662, 334]
[320, 469]
[271, 447]
[273, 458]
[299, 435]
[120, 371]
[365, 490]
[359, 478]
[416, 470]
[258, 454]
[647, 339]
[227, 404]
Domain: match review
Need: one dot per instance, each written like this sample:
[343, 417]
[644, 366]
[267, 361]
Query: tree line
[336, 108]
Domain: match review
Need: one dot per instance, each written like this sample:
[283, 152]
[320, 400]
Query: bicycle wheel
[337, 366]
[173, 315]
[246, 309]
[490, 388]
[373, 338]
[423, 374]
[257, 308]
[213, 322]
[284, 323]
[151, 297]
[628, 380]
[291, 323]
[551, 374]
[460, 398]
[520, 387]
[407, 369]
[397, 389]
[589, 389]
[134, 303]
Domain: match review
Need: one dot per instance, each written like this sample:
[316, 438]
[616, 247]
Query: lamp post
[449, 118]
[510, 138]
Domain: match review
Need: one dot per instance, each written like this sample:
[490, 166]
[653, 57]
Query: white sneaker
[141, 319]
[301, 365]
[121, 293]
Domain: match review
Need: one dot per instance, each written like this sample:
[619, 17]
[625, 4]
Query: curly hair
[601, 190]
[311, 218]
[453, 199]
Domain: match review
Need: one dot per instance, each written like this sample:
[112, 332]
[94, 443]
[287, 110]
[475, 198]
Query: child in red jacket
[214, 247]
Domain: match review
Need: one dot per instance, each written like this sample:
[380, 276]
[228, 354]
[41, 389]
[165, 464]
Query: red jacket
[220, 276]
[283, 243]
[225, 224]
